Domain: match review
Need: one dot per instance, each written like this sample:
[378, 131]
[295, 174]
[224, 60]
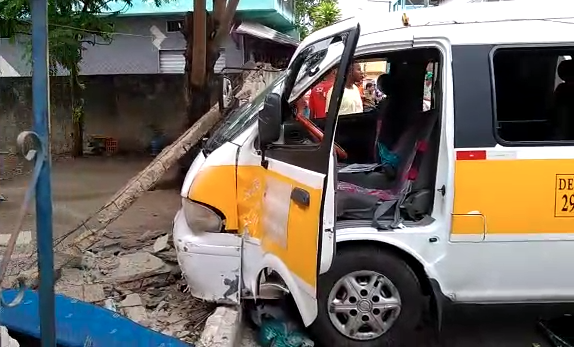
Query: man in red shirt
[318, 97]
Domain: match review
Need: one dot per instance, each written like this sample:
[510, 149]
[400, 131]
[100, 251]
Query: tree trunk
[198, 89]
[77, 134]
[198, 96]
[77, 114]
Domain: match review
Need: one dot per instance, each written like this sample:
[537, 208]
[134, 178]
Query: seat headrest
[384, 83]
[566, 70]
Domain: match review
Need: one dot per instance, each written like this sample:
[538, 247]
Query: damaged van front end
[206, 228]
[208, 249]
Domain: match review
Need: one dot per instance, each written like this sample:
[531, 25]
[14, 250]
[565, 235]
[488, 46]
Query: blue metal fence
[37, 140]
[40, 95]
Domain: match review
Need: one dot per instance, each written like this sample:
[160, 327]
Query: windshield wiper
[203, 146]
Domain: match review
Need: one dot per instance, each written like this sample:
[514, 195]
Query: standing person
[301, 105]
[318, 97]
[370, 97]
[359, 85]
[351, 102]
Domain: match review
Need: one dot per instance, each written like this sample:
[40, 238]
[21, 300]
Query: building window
[533, 89]
[174, 26]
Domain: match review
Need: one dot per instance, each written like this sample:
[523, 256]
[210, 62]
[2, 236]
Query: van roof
[525, 21]
[471, 13]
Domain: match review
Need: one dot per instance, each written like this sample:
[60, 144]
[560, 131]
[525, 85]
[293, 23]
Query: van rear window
[533, 94]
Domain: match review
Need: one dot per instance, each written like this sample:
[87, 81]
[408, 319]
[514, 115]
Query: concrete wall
[120, 106]
[134, 50]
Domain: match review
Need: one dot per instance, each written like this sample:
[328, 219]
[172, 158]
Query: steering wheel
[318, 134]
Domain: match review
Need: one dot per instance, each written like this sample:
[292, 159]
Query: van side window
[533, 89]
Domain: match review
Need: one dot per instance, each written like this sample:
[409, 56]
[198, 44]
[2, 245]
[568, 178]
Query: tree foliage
[311, 15]
[325, 14]
[73, 24]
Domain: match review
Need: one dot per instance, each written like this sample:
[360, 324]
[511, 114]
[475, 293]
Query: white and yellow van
[468, 201]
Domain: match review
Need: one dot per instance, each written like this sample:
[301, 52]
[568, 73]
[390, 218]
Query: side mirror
[269, 120]
[225, 95]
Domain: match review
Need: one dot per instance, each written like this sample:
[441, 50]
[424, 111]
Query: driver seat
[398, 130]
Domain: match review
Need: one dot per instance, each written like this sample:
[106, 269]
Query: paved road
[479, 326]
[502, 326]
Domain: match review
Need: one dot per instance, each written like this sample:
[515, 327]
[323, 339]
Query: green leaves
[12, 15]
[325, 14]
[71, 25]
[311, 15]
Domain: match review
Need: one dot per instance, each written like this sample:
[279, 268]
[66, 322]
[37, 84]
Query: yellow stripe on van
[515, 196]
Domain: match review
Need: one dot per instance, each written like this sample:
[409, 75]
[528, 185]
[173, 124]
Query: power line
[102, 33]
[97, 32]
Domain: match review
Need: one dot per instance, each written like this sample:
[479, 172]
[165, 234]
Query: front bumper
[210, 262]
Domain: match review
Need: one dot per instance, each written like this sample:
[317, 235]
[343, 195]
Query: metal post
[40, 94]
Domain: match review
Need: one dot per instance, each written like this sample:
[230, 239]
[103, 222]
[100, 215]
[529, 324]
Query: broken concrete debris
[110, 304]
[169, 256]
[131, 300]
[136, 274]
[24, 238]
[138, 314]
[136, 266]
[161, 244]
[94, 292]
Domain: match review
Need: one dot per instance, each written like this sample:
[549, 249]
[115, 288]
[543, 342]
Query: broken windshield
[240, 119]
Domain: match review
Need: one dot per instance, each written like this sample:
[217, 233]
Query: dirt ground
[81, 186]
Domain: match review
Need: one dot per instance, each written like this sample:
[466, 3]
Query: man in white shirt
[351, 101]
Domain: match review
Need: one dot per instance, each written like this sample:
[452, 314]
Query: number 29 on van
[564, 196]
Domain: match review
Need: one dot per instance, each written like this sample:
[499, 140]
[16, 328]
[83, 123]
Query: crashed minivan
[477, 205]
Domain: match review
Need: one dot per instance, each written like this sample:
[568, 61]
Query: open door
[294, 220]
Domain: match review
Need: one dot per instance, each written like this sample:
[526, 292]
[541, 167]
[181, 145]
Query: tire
[352, 262]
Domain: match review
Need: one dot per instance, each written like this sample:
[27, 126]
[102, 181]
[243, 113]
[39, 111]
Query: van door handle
[301, 196]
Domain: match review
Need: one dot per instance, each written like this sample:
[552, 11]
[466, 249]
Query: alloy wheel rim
[364, 305]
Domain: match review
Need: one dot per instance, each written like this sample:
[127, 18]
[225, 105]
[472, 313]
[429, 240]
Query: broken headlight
[201, 218]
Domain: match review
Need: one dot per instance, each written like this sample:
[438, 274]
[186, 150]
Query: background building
[148, 39]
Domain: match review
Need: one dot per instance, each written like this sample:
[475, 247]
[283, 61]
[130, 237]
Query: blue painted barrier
[43, 185]
[80, 324]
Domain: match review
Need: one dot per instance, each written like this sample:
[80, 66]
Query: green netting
[276, 333]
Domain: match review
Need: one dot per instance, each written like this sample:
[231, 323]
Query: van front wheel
[369, 297]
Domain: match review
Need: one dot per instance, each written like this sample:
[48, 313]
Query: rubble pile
[136, 274]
